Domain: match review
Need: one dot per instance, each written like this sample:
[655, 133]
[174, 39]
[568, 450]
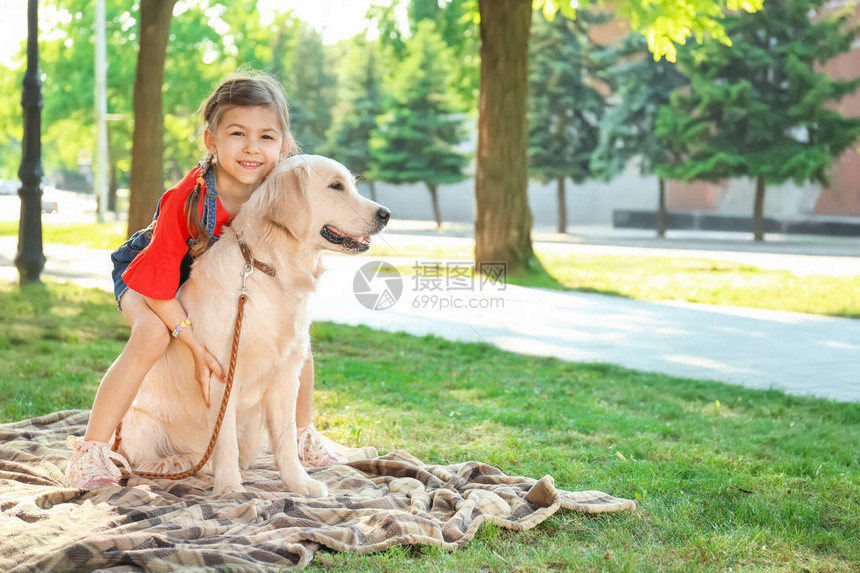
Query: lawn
[698, 280]
[640, 277]
[90, 235]
[725, 477]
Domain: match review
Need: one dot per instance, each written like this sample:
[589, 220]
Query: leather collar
[249, 259]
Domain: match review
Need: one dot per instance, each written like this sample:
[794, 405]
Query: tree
[67, 58]
[357, 118]
[762, 109]
[147, 150]
[565, 108]
[643, 86]
[266, 47]
[503, 219]
[384, 19]
[11, 122]
[457, 24]
[415, 140]
[313, 91]
[196, 59]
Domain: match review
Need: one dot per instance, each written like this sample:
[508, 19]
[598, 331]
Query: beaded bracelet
[180, 326]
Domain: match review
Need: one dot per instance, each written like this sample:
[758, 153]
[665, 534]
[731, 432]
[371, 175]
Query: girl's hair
[241, 89]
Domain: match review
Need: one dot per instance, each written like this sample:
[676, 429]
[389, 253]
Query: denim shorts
[127, 252]
[123, 256]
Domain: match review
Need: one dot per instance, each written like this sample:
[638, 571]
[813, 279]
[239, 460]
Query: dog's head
[314, 199]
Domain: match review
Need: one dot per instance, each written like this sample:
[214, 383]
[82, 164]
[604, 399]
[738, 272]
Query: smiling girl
[247, 133]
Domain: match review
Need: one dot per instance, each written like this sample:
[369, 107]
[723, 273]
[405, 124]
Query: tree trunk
[662, 217]
[758, 210]
[112, 183]
[372, 185]
[562, 207]
[147, 149]
[434, 197]
[503, 219]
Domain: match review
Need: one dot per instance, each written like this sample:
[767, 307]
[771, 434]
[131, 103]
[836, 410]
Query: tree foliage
[642, 86]
[665, 23]
[311, 91]
[210, 39]
[416, 138]
[457, 24]
[207, 41]
[762, 108]
[358, 115]
[503, 219]
[628, 131]
[565, 106]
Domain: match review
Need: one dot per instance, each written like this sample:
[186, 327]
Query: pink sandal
[92, 465]
[317, 451]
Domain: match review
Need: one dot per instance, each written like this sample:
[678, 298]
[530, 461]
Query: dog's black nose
[383, 214]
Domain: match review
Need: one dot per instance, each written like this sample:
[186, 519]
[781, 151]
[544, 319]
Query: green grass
[725, 477]
[673, 278]
[698, 280]
[90, 235]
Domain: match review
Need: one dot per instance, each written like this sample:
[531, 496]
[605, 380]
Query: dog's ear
[286, 204]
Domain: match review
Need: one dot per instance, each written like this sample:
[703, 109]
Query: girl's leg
[305, 401]
[148, 341]
[92, 464]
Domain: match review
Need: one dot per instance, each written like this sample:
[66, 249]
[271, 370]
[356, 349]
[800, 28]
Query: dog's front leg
[281, 424]
[225, 456]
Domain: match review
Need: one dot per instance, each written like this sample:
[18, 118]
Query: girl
[247, 133]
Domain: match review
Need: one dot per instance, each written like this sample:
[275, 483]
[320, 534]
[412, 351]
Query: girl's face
[249, 143]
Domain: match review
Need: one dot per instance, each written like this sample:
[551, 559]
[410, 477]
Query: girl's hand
[205, 365]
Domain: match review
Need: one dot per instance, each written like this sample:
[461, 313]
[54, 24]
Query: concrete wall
[593, 202]
[589, 203]
[735, 197]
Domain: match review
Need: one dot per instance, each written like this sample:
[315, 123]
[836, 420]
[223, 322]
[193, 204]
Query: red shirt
[154, 273]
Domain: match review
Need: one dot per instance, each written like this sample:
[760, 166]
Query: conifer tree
[358, 117]
[457, 24]
[415, 140]
[312, 92]
[642, 87]
[762, 108]
[565, 108]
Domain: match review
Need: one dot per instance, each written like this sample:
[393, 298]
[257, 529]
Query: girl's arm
[172, 313]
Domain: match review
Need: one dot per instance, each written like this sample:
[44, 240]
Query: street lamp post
[30, 259]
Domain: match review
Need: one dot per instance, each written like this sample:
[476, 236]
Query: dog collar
[250, 260]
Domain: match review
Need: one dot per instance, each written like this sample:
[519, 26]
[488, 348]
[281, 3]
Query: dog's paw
[316, 488]
[308, 486]
[223, 489]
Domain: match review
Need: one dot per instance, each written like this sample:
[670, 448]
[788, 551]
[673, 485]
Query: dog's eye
[337, 186]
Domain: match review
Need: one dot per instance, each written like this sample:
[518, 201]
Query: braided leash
[250, 264]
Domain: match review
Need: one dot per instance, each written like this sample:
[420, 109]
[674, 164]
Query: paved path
[799, 353]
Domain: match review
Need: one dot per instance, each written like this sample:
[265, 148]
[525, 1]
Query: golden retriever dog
[308, 204]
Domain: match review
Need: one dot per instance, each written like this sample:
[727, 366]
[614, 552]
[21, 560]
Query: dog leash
[250, 264]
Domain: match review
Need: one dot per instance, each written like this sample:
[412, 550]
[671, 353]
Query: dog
[308, 204]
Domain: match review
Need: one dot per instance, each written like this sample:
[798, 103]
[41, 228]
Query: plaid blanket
[163, 525]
